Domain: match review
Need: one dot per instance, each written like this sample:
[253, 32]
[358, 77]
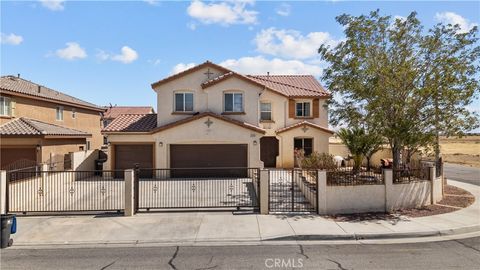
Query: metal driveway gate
[34, 191]
[293, 190]
[194, 188]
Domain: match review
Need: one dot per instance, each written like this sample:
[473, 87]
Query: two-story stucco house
[41, 125]
[210, 116]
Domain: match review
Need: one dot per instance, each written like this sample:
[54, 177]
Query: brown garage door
[127, 155]
[201, 156]
[14, 158]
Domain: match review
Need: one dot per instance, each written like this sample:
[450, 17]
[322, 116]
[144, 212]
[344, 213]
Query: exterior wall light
[255, 142]
[38, 147]
[160, 144]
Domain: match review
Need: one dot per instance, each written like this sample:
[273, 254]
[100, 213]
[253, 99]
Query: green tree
[372, 143]
[407, 84]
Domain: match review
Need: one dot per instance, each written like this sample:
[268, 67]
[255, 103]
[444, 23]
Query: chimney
[18, 75]
[39, 88]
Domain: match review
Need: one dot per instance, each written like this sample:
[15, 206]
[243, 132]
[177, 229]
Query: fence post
[129, 193]
[388, 180]
[321, 192]
[432, 177]
[264, 192]
[3, 192]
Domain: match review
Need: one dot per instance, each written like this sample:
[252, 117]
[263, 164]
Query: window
[59, 113]
[5, 106]
[265, 111]
[73, 113]
[233, 102]
[184, 102]
[305, 144]
[302, 109]
[88, 145]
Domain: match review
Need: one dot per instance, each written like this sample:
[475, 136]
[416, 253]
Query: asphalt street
[462, 173]
[456, 254]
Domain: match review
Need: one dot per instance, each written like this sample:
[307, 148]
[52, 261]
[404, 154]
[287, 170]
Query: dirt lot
[464, 150]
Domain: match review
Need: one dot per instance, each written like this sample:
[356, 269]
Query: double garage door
[189, 160]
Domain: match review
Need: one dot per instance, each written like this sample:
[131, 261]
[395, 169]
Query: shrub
[318, 161]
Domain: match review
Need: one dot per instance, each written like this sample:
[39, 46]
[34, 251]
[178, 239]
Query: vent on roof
[39, 88]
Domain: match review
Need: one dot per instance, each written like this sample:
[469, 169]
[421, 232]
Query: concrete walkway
[208, 228]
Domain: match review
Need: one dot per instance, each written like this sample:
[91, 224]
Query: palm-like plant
[353, 140]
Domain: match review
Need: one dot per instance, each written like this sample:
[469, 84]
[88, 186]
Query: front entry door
[269, 151]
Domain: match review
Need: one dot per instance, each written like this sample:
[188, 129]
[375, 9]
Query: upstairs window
[233, 102]
[59, 113]
[302, 109]
[265, 111]
[184, 102]
[5, 106]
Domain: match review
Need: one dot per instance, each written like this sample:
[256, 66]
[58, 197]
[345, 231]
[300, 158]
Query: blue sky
[111, 51]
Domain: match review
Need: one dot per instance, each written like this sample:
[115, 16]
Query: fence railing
[64, 191]
[348, 176]
[198, 188]
[407, 175]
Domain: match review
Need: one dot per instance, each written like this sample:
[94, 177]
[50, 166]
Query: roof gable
[304, 123]
[188, 71]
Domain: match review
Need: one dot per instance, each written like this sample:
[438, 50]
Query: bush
[318, 161]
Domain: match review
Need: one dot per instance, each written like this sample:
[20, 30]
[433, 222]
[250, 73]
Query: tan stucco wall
[85, 120]
[196, 132]
[280, 114]
[339, 149]
[188, 83]
[49, 148]
[286, 157]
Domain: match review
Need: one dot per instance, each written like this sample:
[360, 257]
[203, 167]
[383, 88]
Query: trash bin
[7, 223]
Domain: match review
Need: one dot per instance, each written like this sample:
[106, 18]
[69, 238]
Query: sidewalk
[227, 227]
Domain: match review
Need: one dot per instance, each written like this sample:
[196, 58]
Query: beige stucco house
[210, 116]
[42, 125]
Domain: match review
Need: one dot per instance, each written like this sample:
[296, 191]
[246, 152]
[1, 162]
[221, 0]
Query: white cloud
[181, 67]
[192, 26]
[126, 56]
[291, 43]
[284, 9]
[453, 19]
[10, 39]
[401, 18]
[261, 65]
[223, 13]
[155, 62]
[152, 2]
[55, 5]
[73, 51]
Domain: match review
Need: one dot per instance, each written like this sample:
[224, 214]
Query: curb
[376, 236]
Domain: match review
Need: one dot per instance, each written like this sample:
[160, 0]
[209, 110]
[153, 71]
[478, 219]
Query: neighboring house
[113, 112]
[41, 125]
[210, 116]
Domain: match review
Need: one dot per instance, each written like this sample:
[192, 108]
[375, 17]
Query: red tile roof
[132, 123]
[292, 85]
[304, 123]
[114, 112]
[29, 127]
[14, 85]
[147, 123]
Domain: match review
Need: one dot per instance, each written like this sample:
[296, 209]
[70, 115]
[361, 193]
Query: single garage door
[126, 156]
[225, 158]
[14, 158]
